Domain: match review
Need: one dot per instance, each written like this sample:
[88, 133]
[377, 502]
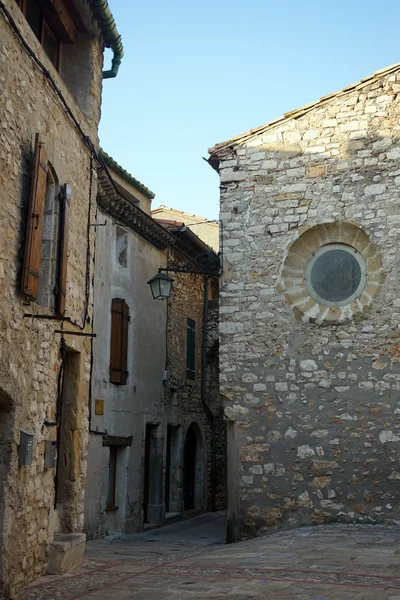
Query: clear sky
[198, 73]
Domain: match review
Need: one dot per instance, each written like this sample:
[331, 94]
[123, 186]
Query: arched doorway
[193, 469]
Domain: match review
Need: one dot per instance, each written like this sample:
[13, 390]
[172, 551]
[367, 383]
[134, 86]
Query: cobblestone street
[188, 560]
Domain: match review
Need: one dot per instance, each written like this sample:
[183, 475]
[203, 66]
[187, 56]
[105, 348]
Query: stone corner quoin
[311, 390]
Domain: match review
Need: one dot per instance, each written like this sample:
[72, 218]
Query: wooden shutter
[119, 341]
[190, 348]
[62, 283]
[30, 271]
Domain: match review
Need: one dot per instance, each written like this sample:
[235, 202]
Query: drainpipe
[203, 399]
[107, 24]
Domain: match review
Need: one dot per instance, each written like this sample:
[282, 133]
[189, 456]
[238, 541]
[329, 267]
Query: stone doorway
[7, 418]
[153, 472]
[68, 474]
[173, 472]
[67, 548]
[193, 469]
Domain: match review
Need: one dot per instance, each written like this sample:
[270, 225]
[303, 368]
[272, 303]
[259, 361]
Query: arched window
[44, 275]
[50, 249]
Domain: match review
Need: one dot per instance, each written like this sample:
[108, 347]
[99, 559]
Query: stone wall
[312, 391]
[29, 347]
[213, 396]
[183, 396]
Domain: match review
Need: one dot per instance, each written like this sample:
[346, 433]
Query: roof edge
[201, 220]
[296, 113]
[110, 162]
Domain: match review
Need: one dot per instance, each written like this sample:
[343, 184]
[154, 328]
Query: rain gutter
[112, 38]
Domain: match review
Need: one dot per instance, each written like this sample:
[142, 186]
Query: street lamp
[206, 263]
[160, 286]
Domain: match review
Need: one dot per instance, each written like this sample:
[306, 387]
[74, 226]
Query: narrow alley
[189, 560]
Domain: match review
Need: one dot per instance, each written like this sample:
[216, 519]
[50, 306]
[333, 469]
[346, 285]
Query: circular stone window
[335, 275]
[331, 272]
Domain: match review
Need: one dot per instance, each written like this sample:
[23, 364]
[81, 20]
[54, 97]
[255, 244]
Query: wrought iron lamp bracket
[205, 263]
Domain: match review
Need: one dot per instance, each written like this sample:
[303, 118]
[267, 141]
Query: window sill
[111, 508]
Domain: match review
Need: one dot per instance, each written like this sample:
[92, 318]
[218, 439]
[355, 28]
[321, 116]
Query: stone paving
[188, 561]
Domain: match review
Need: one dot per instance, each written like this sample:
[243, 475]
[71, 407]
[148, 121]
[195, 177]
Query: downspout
[108, 27]
[203, 399]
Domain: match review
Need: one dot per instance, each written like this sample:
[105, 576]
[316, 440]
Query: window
[121, 246]
[335, 275]
[332, 272]
[190, 349]
[112, 479]
[119, 341]
[40, 27]
[44, 274]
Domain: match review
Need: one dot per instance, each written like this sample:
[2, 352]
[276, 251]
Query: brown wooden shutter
[30, 272]
[119, 341]
[62, 283]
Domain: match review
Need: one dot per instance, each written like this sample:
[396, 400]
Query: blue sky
[198, 73]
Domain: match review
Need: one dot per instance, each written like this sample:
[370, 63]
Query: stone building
[51, 60]
[147, 412]
[192, 389]
[309, 312]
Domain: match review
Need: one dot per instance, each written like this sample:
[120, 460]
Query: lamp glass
[160, 286]
[165, 288]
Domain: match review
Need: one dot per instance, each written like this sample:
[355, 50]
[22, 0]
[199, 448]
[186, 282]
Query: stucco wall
[29, 348]
[208, 231]
[126, 407]
[312, 396]
[143, 201]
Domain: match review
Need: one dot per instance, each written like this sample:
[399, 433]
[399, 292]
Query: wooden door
[189, 469]
[146, 485]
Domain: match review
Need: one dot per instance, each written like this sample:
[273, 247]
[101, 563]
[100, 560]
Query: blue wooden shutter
[190, 348]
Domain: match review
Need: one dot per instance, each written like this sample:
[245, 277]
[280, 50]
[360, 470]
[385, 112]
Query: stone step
[66, 552]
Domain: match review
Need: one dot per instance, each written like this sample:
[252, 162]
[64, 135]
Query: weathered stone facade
[311, 389]
[33, 99]
[197, 401]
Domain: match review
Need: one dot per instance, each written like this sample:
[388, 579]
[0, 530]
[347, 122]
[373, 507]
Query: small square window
[121, 246]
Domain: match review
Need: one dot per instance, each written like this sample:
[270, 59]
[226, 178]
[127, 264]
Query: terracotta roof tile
[163, 208]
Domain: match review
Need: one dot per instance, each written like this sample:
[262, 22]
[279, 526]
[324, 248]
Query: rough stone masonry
[310, 382]
[29, 347]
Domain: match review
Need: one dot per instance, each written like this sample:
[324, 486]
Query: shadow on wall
[7, 416]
